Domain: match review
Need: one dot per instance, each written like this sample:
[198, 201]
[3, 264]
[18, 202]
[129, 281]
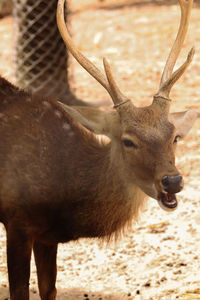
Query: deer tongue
[168, 201]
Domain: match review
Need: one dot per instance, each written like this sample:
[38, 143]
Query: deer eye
[176, 139]
[129, 144]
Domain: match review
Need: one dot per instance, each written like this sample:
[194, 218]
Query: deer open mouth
[168, 201]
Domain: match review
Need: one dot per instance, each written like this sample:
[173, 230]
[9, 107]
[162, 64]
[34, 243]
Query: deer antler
[120, 98]
[168, 79]
[109, 85]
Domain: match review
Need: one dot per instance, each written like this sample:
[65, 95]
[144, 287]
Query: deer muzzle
[170, 185]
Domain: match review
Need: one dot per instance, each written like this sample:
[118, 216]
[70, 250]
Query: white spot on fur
[66, 126]
[58, 114]
[46, 104]
[3, 118]
[71, 133]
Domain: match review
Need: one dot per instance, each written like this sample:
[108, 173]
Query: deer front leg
[19, 247]
[45, 259]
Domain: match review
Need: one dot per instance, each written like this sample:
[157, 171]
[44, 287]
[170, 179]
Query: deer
[59, 182]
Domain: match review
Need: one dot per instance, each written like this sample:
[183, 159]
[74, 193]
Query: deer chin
[150, 190]
[167, 201]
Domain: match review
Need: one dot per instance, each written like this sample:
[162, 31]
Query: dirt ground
[159, 257]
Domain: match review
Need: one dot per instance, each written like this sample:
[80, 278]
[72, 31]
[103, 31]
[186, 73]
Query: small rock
[147, 284]
[169, 264]
[181, 265]
[177, 272]
[163, 279]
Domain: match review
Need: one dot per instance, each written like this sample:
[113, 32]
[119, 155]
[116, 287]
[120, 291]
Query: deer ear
[94, 119]
[183, 121]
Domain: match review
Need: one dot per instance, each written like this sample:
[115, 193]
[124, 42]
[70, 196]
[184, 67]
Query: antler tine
[167, 85]
[176, 48]
[119, 97]
[83, 61]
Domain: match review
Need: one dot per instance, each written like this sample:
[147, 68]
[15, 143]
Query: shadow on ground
[71, 294]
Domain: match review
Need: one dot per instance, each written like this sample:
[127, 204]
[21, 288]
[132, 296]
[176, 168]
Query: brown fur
[57, 184]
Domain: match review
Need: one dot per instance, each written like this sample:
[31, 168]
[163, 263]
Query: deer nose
[172, 184]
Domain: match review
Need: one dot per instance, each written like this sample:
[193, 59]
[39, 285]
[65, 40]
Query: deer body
[59, 182]
[38, 167]
[40, 202]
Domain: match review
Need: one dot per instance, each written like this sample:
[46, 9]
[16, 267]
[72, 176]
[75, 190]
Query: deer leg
[19, 247]
[45, 258]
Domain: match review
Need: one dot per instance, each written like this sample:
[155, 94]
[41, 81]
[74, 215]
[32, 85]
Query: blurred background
[159, 257]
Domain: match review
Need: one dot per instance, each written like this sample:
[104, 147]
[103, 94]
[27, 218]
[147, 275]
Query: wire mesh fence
[40, 54]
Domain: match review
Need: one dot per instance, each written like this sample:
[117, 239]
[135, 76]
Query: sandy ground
[159, 257]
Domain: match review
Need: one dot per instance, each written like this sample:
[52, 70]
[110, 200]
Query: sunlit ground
[159, 258]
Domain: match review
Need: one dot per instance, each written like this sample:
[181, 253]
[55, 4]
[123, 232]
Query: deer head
[143, 139]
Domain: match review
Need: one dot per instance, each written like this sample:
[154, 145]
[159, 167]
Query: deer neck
[109, 203]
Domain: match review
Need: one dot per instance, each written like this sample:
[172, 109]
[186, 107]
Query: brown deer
[59, 183]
